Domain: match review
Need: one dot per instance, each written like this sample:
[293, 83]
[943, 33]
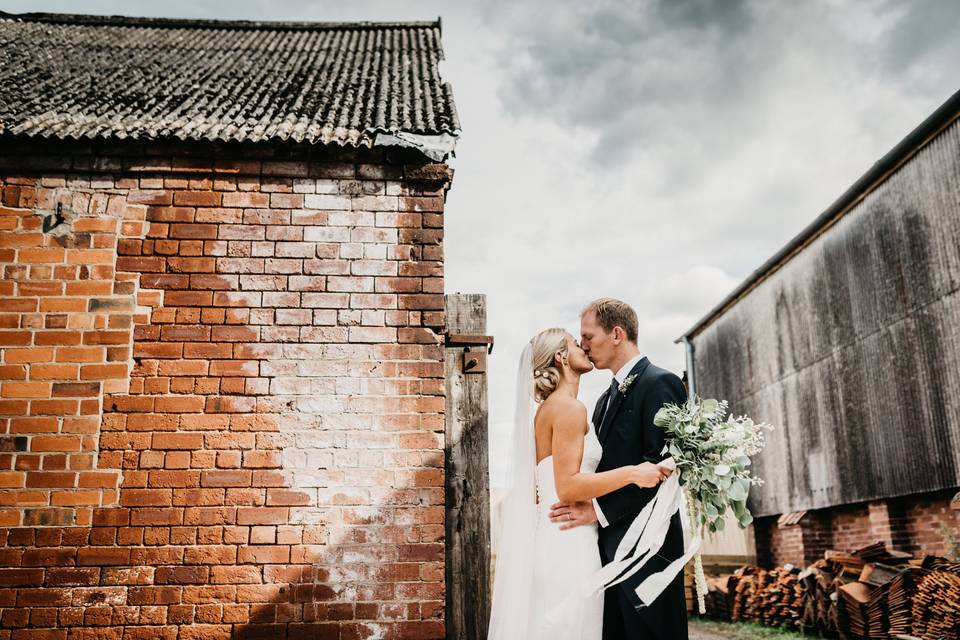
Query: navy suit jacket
[629, 437]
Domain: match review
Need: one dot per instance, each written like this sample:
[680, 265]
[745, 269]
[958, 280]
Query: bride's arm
[573, 486]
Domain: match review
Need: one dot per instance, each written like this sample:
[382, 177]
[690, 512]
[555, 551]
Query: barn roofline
[939, 120]
[96, 20]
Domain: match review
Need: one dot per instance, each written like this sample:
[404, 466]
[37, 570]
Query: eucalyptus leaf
[712, 451]
[710, 407]
[739, 489]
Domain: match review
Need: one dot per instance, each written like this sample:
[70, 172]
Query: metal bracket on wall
[475, 350]
[54, 220]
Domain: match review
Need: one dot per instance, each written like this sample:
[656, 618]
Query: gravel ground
[712, 630]
[698, 632]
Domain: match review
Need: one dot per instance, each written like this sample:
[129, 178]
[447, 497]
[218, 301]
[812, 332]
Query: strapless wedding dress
[564, 560]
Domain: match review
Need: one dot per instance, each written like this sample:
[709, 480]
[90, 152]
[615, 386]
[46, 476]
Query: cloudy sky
[656, 151]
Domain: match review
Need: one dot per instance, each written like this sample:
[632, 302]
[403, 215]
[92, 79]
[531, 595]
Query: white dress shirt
[620, 376]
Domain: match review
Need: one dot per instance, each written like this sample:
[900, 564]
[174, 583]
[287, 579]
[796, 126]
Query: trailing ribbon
[642, 541]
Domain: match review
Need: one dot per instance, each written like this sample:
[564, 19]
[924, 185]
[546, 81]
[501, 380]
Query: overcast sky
[653, 151]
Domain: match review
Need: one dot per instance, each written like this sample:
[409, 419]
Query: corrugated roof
[69, 76]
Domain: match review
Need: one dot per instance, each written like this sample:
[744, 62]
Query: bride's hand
[647, 474]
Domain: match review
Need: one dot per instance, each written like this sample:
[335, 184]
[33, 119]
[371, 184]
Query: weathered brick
[182, 575]
[193, 231]
[225, 478]
[262, 515]
[245, 200]
[177, 441]
[285, 379]
[154, 595]
[264, 555]
[197, 198]
[101, 556]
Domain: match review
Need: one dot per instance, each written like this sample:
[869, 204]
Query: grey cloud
[926, 29]
[729, 15]
[633, 71]
[687, 82]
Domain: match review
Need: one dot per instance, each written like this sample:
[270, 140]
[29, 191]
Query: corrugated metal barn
[848, 341]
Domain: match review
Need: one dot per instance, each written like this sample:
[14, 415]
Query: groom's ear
[618, 334]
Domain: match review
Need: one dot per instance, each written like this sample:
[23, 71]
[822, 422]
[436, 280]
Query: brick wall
[797, 541]
[926, 519]
[777, 545]
[916, 524]
[221, 393]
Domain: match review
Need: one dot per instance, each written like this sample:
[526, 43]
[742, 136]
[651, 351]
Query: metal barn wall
[852, 348]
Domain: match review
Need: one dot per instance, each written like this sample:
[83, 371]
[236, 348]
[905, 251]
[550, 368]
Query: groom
[623, 419]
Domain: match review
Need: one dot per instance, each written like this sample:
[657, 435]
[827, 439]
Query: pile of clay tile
[872, 592]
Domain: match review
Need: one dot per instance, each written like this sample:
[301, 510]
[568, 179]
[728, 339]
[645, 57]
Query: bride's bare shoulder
[563, 409]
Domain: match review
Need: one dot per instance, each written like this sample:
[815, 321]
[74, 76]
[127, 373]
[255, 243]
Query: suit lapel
[609, 415]
[598, 410]
[618, 399]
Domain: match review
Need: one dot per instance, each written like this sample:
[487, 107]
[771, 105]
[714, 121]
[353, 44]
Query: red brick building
[221, 376]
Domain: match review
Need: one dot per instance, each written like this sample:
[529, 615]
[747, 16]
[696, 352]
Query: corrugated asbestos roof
[68, 76]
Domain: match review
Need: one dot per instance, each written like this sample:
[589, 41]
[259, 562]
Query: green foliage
[712, 452]
[740, 630]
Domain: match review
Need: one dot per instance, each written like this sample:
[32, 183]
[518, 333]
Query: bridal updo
[546, 373]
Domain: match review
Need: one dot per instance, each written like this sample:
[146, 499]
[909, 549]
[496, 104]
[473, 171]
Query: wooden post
[467, 479]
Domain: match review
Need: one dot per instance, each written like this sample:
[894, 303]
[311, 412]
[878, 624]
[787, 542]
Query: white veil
[513, 580]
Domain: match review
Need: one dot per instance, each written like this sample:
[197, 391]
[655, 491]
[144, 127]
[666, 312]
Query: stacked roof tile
[69, 76]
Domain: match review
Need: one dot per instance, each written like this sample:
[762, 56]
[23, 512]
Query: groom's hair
[612, 313]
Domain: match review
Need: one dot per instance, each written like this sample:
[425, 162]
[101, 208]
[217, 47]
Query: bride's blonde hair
[546, 373]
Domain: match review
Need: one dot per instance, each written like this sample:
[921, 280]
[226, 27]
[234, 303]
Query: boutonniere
[626, 384]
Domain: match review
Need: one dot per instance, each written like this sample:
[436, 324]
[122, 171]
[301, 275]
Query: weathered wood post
[467, 471]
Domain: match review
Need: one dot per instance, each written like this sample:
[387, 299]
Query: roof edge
[437, 147]
[926, 131]
[196, 23]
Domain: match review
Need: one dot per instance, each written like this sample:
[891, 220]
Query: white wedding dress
[563, 560]
[549, 583]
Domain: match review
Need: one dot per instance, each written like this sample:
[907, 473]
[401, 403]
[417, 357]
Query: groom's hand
[572, 514]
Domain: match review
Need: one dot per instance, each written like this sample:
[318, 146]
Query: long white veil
[513, 580]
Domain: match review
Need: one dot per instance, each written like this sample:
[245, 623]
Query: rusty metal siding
[852, 348]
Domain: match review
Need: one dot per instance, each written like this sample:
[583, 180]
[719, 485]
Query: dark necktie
[614, 389]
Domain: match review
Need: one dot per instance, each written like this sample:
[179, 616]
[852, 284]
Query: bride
[556, 452]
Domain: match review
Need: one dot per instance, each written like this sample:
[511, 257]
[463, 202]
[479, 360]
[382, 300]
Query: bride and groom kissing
[577, 488]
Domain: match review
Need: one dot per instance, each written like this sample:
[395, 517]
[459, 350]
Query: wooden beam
[467, 479]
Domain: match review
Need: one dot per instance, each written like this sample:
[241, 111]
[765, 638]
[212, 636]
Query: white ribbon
[642, 541]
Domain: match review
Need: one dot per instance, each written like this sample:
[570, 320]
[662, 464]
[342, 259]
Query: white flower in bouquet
[712, 455]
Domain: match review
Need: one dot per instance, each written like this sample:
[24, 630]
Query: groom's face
[597, 343]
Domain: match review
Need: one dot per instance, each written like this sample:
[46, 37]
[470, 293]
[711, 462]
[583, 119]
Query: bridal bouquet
[712, 454]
